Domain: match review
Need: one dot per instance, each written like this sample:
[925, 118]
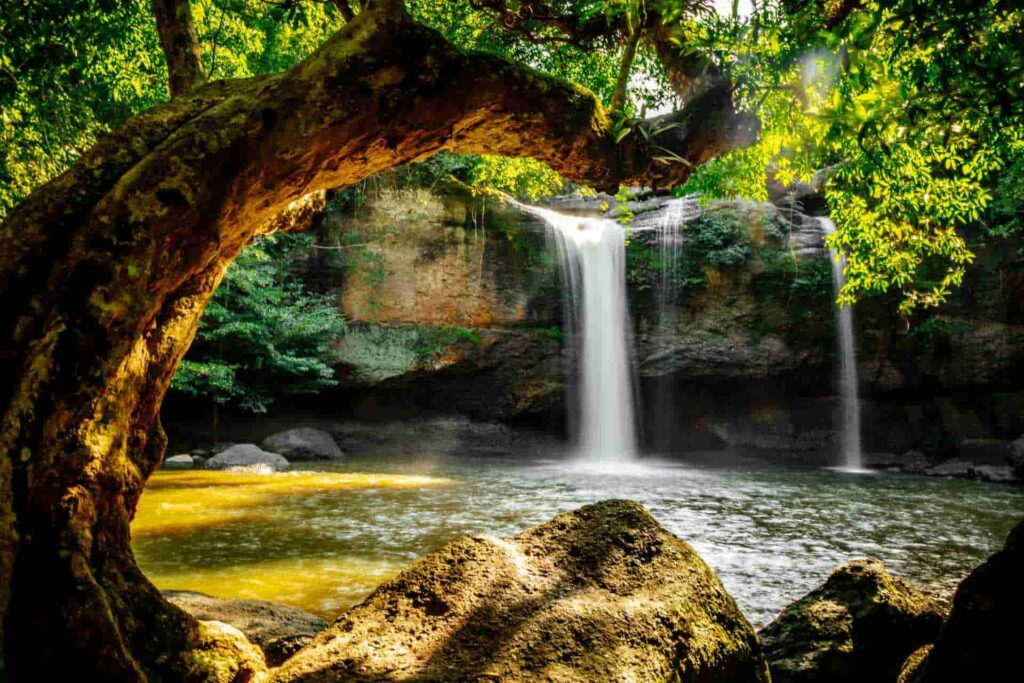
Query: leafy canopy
[915, 108]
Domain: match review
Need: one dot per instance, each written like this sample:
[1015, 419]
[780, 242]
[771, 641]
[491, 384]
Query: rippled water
[322, 541]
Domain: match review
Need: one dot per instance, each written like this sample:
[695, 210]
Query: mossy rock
[861, 625]
[980, 640]
[222, 654]
[600, 594]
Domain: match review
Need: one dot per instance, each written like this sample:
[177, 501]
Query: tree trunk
[181, 47]
[106, 270]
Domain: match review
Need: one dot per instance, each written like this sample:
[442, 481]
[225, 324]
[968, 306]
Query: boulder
[222, 654]
[247, 457]
[199, 461]
[1016, 456]
[979, 641]
[279, 630]
[179, 462]
[999, 474]
[303, 443]
[951, 468]
[600, 594]
[861, 625]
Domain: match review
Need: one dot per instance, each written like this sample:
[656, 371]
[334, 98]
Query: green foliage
[917, 108]
[264, 335]
[938, 331]
[522, 177]
[71, 70]
[718, 238]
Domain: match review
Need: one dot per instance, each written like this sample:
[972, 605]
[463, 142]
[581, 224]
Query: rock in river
[600, 594]
[860, 626]
[279, 630]
[247, 456]
[980, 640]
[179, 462]
[303, 443]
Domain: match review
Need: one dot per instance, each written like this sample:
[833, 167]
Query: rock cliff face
[455, 307]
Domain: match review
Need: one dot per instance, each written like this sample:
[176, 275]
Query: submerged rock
[303, 443]
[600, 594]
[179, 462]
[248, 457]
[980, 640]
[279, 630]
[861, 625]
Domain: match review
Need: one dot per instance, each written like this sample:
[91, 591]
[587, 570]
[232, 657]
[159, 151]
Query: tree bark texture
[180, 45]
[106, 270]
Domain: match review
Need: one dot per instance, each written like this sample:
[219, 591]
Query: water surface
[323, 540]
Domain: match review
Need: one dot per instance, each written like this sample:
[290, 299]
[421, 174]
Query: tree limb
[180, 45]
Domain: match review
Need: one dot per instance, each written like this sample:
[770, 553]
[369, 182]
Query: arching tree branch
[106, 270]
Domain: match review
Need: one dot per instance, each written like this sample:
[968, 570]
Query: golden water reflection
[267, 536]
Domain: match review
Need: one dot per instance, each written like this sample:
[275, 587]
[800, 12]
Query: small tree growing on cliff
[264, 335]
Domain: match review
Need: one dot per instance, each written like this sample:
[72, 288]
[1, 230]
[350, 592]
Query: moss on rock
[861, 625]
[222, 654]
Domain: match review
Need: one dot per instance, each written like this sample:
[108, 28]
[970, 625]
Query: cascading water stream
[670, 241]
[850, 427]
[593, 260]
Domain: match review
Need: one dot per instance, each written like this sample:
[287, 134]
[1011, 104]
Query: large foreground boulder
[247, 457]
[279, 630]
[980, 640]
[600, 594]
[303, 443]
[861, 625]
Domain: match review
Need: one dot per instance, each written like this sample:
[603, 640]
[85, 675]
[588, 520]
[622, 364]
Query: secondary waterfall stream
[850, 412]
[592, 252]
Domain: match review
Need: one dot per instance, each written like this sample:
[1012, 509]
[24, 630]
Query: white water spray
[593, 259]
[848, 363]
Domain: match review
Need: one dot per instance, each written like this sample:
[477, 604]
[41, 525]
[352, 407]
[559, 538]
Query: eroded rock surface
[861, 625]
[600, 594]
[279, 630]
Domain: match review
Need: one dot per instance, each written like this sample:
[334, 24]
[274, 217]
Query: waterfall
[592, 252]
[670, 241]
[667, 226]
[848, 363]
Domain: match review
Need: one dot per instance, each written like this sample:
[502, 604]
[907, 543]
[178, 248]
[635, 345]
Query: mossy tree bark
[106, 270]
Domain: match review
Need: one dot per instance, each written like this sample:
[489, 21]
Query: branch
[625, 65]
[180, 45]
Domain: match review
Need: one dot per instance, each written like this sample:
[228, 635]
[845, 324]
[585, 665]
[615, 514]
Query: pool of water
[322, 539]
